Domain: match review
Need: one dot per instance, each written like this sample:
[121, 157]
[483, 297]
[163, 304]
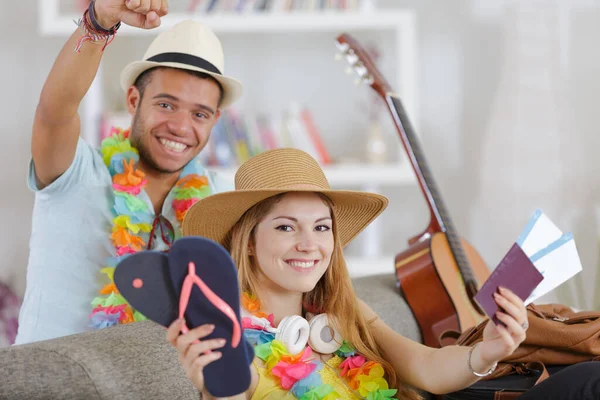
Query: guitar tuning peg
[361, 70]
[352, 58]
[342, 47]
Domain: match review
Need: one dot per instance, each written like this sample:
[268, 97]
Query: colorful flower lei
[134, 221]
[299, 374]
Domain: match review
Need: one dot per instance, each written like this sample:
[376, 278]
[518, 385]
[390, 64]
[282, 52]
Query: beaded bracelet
[94, 32]
[489, 372]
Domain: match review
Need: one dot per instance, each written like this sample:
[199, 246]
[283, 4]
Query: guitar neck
[441, 221]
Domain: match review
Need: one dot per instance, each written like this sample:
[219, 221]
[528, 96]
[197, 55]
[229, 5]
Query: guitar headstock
[362, 64]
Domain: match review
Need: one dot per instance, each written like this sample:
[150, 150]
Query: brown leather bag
[557, 335]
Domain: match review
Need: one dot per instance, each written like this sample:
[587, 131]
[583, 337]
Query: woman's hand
[499, 341]
[194, 354]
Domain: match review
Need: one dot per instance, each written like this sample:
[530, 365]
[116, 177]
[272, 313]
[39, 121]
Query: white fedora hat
[188, 45]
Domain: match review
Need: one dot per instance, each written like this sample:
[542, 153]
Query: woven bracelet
[96, 26]
[93, 31]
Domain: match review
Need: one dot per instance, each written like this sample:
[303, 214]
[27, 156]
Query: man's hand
[143, 14]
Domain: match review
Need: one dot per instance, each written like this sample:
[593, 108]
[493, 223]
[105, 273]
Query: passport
[515, 272]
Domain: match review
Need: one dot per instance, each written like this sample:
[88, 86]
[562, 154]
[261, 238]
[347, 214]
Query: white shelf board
[53, 24]
[358, 267]
[355, 175]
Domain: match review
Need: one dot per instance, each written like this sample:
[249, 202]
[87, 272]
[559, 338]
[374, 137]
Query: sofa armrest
[132, 361]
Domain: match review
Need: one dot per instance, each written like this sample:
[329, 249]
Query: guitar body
[432, 285]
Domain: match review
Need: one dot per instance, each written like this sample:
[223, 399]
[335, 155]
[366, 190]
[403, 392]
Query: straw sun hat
[187, 45]
[273, 172]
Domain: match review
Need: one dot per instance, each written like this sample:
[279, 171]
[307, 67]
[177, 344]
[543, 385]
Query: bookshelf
[351, 175]
[365, 266]
[398, 24]
[53, 24]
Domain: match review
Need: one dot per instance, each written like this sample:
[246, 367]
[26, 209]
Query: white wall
[26, 59]
[461, 48]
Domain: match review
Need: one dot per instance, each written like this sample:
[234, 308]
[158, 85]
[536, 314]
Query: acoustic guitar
[439, 273]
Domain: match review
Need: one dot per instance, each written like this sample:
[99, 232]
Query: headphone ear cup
[293, 332]
[323, 338]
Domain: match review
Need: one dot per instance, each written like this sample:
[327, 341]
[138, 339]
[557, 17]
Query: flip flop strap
[184, 298]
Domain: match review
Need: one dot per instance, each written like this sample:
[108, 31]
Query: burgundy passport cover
[515, 272]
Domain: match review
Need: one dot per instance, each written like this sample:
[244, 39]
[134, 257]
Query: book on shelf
[255, 6]
[279, 6]
[238, 136]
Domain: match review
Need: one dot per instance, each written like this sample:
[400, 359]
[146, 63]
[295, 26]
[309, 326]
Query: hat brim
[215, 215]
[232, 88]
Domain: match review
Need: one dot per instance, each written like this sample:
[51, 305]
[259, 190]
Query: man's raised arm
[56, 125]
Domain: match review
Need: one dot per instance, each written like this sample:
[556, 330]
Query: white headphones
[295, 332]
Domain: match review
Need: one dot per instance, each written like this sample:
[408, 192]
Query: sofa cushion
[382, 295]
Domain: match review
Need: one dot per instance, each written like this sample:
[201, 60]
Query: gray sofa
[135, 362]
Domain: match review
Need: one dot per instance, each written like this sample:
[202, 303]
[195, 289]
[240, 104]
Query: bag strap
[534, 365]
[506, 395]
[538, 366]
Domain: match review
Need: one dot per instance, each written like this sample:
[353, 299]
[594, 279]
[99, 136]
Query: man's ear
[133, 100]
